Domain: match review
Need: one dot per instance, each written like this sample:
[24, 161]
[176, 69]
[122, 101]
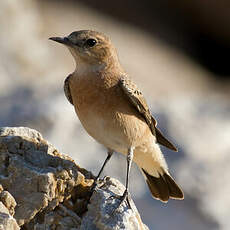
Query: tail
[163, 187]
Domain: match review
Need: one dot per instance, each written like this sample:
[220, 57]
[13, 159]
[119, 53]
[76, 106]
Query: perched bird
[114, 112]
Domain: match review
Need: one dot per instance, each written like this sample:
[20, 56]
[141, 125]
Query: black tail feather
[163, 187]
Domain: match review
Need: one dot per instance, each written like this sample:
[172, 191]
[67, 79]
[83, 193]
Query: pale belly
[115, 129]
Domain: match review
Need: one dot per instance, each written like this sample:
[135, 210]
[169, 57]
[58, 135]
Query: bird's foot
[97, 183]
[94, 185]
[123, 198]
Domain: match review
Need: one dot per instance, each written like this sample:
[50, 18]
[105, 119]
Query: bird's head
[89, 47]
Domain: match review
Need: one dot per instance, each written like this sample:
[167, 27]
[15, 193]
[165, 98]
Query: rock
[7, 205]
[101, 214]
[7, 222]
[41, 189]
[8, 200]
[35, 173]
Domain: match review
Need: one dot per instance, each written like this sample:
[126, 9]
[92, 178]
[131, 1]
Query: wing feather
[137, 99]
[67, 89]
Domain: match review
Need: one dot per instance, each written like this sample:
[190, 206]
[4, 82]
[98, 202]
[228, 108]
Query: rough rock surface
[101, 209]
[41, 189]
[7, 222]
[7, 205]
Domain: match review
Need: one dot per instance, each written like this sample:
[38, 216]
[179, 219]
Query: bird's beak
[64, 40]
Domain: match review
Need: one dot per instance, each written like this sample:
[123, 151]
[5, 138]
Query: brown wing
[67, 89]
[137, 99]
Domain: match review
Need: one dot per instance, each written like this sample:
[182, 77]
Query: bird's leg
[125, 195]
[129, 163]
[110, 153]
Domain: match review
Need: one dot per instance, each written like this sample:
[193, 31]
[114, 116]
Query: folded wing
[138, 101]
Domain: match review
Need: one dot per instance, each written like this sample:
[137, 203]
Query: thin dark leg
[110, 153]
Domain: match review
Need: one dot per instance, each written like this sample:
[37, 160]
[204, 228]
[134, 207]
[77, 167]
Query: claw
[110, 153]
[94, 185]
[124, 198]
[98, 183]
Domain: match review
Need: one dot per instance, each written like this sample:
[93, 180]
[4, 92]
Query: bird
[113, 111]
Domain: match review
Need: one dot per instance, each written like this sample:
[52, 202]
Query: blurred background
[177, 52]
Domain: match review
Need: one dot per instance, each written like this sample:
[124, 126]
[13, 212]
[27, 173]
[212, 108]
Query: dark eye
[91, 42]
